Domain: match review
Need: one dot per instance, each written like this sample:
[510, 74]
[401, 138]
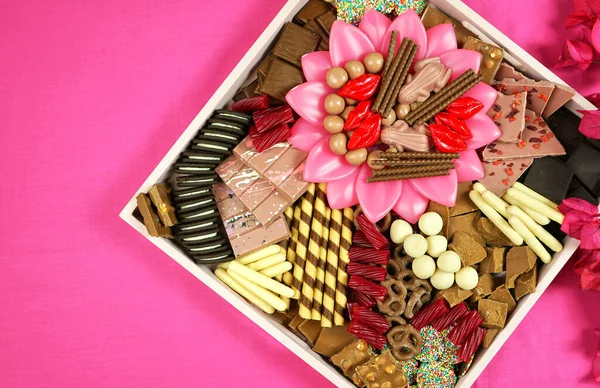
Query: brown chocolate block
[493, 313]
[559, 97]
[332, 340]
[313, 27]
[151, 219]
[262, 161]
[382, 371]
[353, 355]
[257, 193]
[285, 166]
[538, 93]
[526, 283]
[489, 337]
[245, 150]
[159, 194]
[507, 71]
[248, 91]
[464, 204]
[294, 41]
[240, 224]
[260, 237]
[492, 57]
[492, 235]
[454, 295]
[518, 261]
[310, 330]
[502, 294]
[508, 113]
[295, 322]
[469, 250]
[487, 284]
[326, 20]
[295, 186]
[466, 223]
[493, 262]
[280, 79]
[444, 212]
[432, 17]
[231, 207]
[312, 10]
[500, 175]
[221, 192]
[264, 66]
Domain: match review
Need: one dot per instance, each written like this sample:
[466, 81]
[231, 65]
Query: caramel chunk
[332, 340]
[493, 262]
[492, 57]
[353, 355]
[310, 330]
[464, 204]
[382, 371]
[502, 294]
[487, 284]
[454, 295]
[159, 194]
[493, 313]
[489, 337]
[492, 235]
[433, 16]
[526, 283]
[444, 212]
[518, 261]
[469, 250]
[466, 223]
[295, 322]
[312, 10]
[151, 219]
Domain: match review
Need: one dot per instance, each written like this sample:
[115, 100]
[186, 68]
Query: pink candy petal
[440, 189]
[342, 193]
[308, 100]
[408, 25]
[579, 204]
[411, 205]
[596, 35]
[315, 65]
[348, 43]
[468, 166]
[483, 93]
[306, 135]
[322, 165]
[483, 129]
[440, 39]
[461, 60]
[376, 199]
[375, 24]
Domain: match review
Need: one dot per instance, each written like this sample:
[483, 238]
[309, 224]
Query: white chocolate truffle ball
[467, 278]
[400, 230]
[431, 223]
[449, 261]
[423, 267]
[442, 280]
[415, 245]
[436, 245]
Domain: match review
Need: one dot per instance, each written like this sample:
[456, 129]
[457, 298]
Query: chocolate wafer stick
[330, 306]
[303, 232]
[408, 162]
[417, 155]
[344, 259]
[407, 176]
[390, 100]
[412, 170]
[385, 85]
[390, 54]
[317, 309]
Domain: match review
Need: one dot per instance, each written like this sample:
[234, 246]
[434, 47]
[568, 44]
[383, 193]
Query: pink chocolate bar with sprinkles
[260, 237]
[245, 150]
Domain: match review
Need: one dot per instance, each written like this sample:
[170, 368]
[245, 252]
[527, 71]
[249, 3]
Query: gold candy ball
[334, 104]
[333, 124]
[357, 157]
[374, 62]
[338, 143]
[336, 77]
[355, 69]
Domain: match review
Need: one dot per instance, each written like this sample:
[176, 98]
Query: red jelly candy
[370, 318]
[446, 320]
[252, 104]
[364, 300]
[267, 119]
[371, 272]
[360, 239]
[362, 331]
[378, 240]
[430, 313]
[468, 349]
[266, 140]
[369, 255]
[367, 287]
[459, 333]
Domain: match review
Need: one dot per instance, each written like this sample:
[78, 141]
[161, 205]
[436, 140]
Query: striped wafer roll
[291, 251]
[331, 269]
[417, 155]
[344, 259]
[306, 212]
[312, 256]
[317, 308]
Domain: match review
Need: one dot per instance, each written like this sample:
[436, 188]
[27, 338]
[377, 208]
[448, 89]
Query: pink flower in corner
[590, 124]
[576, 54]
[595, 99]
[347, 184]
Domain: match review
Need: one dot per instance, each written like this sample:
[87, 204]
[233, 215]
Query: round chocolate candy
[488, 64]
[449, 261]
[399, 231]
[436, 245]
[346, 112]
[350, 102]
[357, 157]
[374, 155]
[402, 110]
[431, 223]
[442, 280]
[336, 77]
[374, 62]
[467, 278]
[334, 104]
[390, 119]
[415, 245]
[355, 69]
[423, 267]
[337, 143]
[333, 124]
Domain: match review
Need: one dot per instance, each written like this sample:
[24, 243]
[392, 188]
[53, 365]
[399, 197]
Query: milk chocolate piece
[585, 163]
[489, 337]
[295, 186]
[454, 295]
[262, 161]
[507, 71]
[560, 96]
[550, 177]
[382, 371]
[326, 20]
[160, 195]
[283, 168]
[508, 113]
[332, 340]
[280, 79]
[493, 313]
[526, 283]
[260, 237]
[240, 182]
[464, 204]
[293, 43]
[247, 91]
[353, 355]
[492, 235]
[229, 168]
[257, 193]
[313, 27]
[466, 223]
[221, 192]
[231, 207]
[312, 10]
[432, 17]
[493, 262]
[518, 261]
[151, 219]
[502, 294]
[492, 57]
[245, 150]
[469, 250]
[487, 284]
[538, 93]
[271, 208]
[241, 224]
[538, 141]
[444, 212]
[295, 322]
[264, 66]
[500, 175]
[310, 330]
[565, 126]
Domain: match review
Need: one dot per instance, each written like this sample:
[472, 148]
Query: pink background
[92, 95]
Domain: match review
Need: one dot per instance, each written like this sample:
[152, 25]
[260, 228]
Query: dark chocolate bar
[550, 177]
[280, 79]
[585, 163]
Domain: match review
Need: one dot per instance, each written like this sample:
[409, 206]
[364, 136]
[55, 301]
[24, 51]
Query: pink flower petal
[408, 25]
[306, 135]
[411, 205]
[483, 129]
[440, 38]
[590, 235]
[342, 192]
[574, 222]
[581, 52]
[579, 204]
[440, 189]
[375, 24]
[596, 35]
[322, 165]
[308, 100]
[483, 93]
[348, 43]
[315, 65]
[461, 60]
[468, 166]
[376, 199]
[590, 124]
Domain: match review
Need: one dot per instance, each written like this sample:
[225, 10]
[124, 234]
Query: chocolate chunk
[313, 27]
[526, 283]
[492, 235]
[151, 219]
[280, 79]
[293, 43]
[502, 294]
[332, 340]
[454, 295]
[466, 223]
[489, 337]
[493, 262]
[310, 330]
[507, 71]
[518, 261]
[565, 126]
[433, 17]
[550, 177]
[312, 10]
[248, 91]
[577, 190]
[585, 163]
[501, 174]
[538, 92]
[463, 204]
[487, 284]
[265, 65]
[444, 212]
[160, 196]
[493, 313]
[469, 250]
[353, 355]
[492, 57]
[559, 97]
[326, 20]
[509, 115]
[382, 371]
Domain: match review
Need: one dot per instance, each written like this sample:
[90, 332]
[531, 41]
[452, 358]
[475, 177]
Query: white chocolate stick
[480, 188]
[266, 295]
[258, 255]
[539, 218]
[224, 265]
[496, 203]
[276, 270]
[243, 291]
[536, 205]
[533, 243]
[542, 234]
[267, 262]
[496, 218]
[260, 279]
[534, 194]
